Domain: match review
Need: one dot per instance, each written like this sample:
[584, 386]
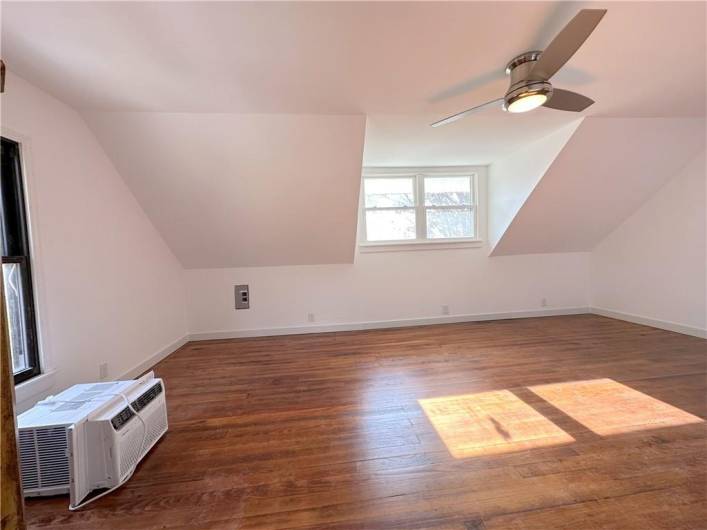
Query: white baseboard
[382, 324]
[148, 363]
[652, 322]
[407, 322]
[29, 392]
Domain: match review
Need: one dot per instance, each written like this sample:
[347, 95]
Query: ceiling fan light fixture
[526, 98]
[526, 102]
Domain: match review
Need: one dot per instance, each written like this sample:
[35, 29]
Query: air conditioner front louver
[44, 457]
[28, 460]
[146, 398]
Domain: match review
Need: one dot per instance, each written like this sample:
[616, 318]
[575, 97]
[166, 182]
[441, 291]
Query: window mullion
[420, 212]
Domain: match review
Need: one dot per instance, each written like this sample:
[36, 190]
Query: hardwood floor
[326, 432]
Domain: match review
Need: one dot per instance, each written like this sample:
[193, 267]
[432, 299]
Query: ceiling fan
[531, 72]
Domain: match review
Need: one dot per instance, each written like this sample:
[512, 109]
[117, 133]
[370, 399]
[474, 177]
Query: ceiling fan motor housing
[519, 69]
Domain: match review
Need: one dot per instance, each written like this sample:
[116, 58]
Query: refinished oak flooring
[326, 432]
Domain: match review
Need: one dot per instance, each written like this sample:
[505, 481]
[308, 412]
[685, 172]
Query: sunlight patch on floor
[607, 407]
[490, 423]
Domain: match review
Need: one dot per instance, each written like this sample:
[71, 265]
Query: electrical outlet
[543, 302]
[310, 317]
[103, 371]
[242, 293]
[445, 309]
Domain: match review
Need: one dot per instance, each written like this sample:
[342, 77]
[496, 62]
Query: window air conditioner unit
[90, 437]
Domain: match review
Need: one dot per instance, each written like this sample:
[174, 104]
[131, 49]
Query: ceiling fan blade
[567, 100]
[460, 115]
[566, 43]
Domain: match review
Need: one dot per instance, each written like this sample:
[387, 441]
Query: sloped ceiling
[239, 126]
[513, 177]
[603, 174]
[230, 190]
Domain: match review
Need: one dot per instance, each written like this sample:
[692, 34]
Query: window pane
[14, 304]
[447, 191]
[449, 223]
[389, 193]
[390, 225]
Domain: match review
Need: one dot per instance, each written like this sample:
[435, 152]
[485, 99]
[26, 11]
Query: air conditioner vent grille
[44, 457]
[157, 423]
[119, 420]
[147, 398]
[29, 463]
[130, 448]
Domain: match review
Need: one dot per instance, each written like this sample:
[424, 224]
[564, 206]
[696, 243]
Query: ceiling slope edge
[513, 178]
[604, 173]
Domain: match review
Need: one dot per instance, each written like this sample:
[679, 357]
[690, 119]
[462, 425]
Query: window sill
[29, 392]
[404, 246]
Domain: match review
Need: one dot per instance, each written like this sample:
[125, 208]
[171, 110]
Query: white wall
[652, 267]
[513, 177]
[108, 289]
[386, 286]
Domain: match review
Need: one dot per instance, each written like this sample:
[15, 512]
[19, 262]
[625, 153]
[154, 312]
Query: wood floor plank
[329, 431]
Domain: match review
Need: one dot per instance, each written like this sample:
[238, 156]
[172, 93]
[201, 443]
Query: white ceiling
[408, 140]
[239, 126]
[644, 59]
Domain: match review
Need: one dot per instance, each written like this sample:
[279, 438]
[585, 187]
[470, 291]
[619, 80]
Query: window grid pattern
[419, 206]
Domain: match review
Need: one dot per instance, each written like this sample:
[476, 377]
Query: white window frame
[477, 175]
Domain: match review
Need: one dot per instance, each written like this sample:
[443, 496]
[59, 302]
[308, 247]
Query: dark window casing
[16, 263]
